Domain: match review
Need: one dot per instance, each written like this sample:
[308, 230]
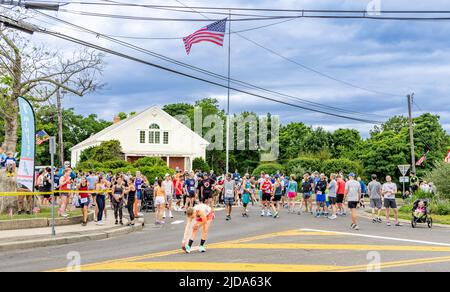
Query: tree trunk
[7, 184]
[11, 126]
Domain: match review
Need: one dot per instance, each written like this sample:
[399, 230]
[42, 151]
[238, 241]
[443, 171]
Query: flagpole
[228, 99]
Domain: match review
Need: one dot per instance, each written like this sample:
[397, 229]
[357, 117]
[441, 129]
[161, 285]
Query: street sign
[404, 179]
[52, 145]
[404, 169]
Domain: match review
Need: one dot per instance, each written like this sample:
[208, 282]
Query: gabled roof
[96, 138]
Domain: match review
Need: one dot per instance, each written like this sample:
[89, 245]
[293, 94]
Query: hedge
[269, 168]
[345, 165]
[305, 163]
[149, 161]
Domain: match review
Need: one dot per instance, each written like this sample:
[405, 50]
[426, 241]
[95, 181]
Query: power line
[206, 72]
[100, 48]
[121, 4]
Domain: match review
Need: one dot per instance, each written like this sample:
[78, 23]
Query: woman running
[203, 216]
[276, 198]
[247, 194]
[131, 200]
[160, 202]
[292, 188]
[84, 199]
[117, 200]
[64, 187]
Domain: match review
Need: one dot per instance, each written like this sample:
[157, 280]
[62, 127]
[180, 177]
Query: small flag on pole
[213, 33]
[42, 137]
[421, 160]
[447, 159]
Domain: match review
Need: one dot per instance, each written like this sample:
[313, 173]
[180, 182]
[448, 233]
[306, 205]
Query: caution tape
[15, 194]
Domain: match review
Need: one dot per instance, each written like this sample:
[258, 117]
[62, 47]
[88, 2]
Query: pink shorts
[292, 195]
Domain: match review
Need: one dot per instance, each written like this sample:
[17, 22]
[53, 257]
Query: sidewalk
[42, 237]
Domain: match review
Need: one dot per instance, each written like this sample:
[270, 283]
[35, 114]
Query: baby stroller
[422, 218]
[147, 200]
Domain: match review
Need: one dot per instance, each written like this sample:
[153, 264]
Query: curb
[30, 244]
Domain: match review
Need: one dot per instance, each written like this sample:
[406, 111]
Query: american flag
[213, 33]
[41, 137]
[422, 160]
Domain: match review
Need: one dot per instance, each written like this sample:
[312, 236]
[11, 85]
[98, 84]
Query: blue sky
[388, 56]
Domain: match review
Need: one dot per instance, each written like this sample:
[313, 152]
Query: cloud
[389, 56]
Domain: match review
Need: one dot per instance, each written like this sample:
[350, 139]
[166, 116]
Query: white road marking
[379, 237]
[177, 222]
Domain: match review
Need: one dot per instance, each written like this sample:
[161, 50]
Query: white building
[151, 133]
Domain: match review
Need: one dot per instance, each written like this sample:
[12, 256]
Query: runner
[118, 193]
[64, 187]
[189, 188]
[332, 196]
[168, 187]
[340, 195]
[389, 191]
[207, 190]
[276, 198]
[160, 201]
[292, 188]
[139, 181]
[229, 195]
[203, 216]
[247, 191]
[84, 199]
[375, 191]
[131, 199]
[353, 195]
[266, 189]
[362, 203]
[321, 198]
[178, 192]
[101, 198]
[306, 194]
[92, 182]
[260, 182]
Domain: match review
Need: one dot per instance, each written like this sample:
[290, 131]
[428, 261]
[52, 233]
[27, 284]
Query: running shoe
[374, 220]
[332, 217]
[389, 224]
[170, 214]
[269, 214]
[228, 218]
[262, 213]
[187, 248]
[355, 227]
[201, 249]
[379, 220]
[398, 224]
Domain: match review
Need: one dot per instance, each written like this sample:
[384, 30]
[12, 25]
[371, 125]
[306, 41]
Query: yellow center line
[352, 247]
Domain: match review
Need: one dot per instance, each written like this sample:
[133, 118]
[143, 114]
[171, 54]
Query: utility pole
[411, 133]
[60, 126]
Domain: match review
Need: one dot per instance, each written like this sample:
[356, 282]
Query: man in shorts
[374, 190]
[353, 195]
[389, 191]
[169, 191]
[321, 197]
[207, 190]
[190, 188]
[229, 195]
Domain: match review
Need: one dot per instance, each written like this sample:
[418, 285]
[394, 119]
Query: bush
[108, 150]
[305, 163]
[89, 165]
[269, 168]
[114, 164]
[345, 165]
[150, 162]
[442, 208]
[200, 164]
[152, 172]
[440, 177]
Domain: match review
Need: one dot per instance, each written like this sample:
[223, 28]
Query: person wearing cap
[168, 188]
[266, 188]
[353, 195]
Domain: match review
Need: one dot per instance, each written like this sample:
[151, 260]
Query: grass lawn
[439, 219]
[46, 212]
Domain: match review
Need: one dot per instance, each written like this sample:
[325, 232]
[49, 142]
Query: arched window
[154, 135]
[154, 127]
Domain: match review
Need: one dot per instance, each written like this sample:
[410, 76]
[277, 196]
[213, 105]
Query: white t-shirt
[168, 187]
[353, 188]
[389, 190]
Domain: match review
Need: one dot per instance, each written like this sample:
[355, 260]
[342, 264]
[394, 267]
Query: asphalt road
[290, 243]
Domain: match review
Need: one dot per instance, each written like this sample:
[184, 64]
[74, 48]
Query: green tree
[200, 164]
[106, 151]
[344, 141]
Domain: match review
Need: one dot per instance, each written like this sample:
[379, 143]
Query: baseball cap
[351, 174]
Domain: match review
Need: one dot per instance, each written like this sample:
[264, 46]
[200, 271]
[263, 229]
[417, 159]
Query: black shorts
[206, 196]
[191, 195]
[390, 203]
[276, 198]
[340, 198]
[266, 197]
[332, 200]
[352, 205]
